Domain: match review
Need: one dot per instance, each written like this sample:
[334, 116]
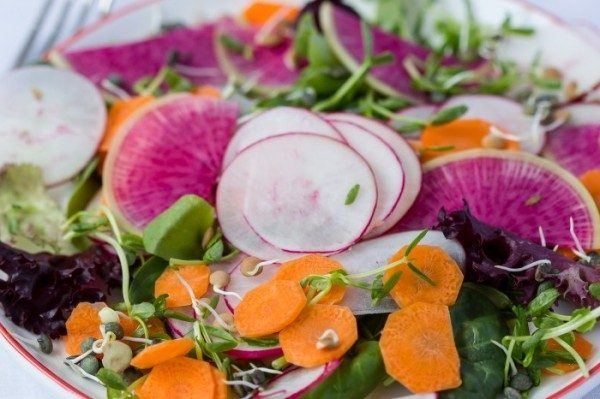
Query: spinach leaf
[356, 377]
[142, 285]
[87, 185]
[475, 323]
[178, 231]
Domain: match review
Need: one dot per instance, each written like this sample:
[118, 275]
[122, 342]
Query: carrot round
[168, 283]
[83, 323]
[207, 91]
[418, 348]
[259, 12]
[269, 308]
[179, 378]
[591, 181]
[300, 340]
[581, 346]
[221, 391]
[156, 354]
[458, 135]
[436, 264]
[119, 112]
[297, 269]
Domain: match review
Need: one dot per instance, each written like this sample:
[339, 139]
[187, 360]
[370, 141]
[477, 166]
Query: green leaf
[143, 310]
[220, 333]
[119, 394]
[380, 290]
[177, 83]
[420, 274]
[178, 231]
[221, 346]
[367, 38]
[542, 302]
[86, 186]
[304, 31]
[587, 327]
[498, 298]
[111, 379]
[232, 43]
[352, 194]
[447, 115]
[415, 242]
[261, 342]
[142, 285]
[214, 253]
[594, 289]
[356, 377]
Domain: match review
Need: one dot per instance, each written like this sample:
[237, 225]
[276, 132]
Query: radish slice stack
[296, 182]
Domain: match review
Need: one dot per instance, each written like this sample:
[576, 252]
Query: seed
[258, 377]
[248, 267]
[521, 382]
[90, 364]
[107, 315]
[207, 236]
[219, 278]
[328, 340]
[45, 344]
[117, 356]
[130, 375]
[552, 73]
[511, 393]
[493, 141]
[114, 328]
[86, 344]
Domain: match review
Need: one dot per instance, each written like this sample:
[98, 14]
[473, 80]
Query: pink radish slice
[424, 111]
[408, 159]
[505, 114]
[374, 253]
[247, 352]
[276, 121]
[385, 164]
[172, 147]
[295, 382]
[51, 118]
[513, 190]
[297, 187]
[576, 146]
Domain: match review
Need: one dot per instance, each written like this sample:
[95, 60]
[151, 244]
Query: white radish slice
[384, 162]
[274, 122]
[297, 189]
[408, 159]
[371, 254]
[297, 381]
[51, 118]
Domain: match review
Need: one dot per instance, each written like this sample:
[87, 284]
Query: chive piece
[437, 148]
[420, 274]
[415, 242]
[352, 194]
[449, 114]
[232, 43]
[367, 39]
[534, 199]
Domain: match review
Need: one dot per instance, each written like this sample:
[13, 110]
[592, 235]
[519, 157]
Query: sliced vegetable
[196, 276]
[44, 114]
[260, 12]
[591, 181]
[83, 322]
[418, 348]
[581, 345]
[269, 308]
[156, 354]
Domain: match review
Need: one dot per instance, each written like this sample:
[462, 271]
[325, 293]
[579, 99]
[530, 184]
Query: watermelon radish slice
[371, 254]
[512, 190]
[342, 30]
[170, 148]
[276, 121]
[265, 70]
[297, 381]
[135, 60]
[297, 192]
[385, 164]
[408, 159]
[576, 146]
[51, 118]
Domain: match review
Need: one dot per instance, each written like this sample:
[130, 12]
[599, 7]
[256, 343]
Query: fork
[86, 7]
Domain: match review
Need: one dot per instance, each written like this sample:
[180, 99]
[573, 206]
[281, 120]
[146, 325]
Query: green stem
[339, 95]
[377, 271]
[321, 294]
[575, 355]
[144, 326]
[571, 325]
[155, 83]
[124, 266]
[279, 363]
[170, 314]
[401, 118]
[183, 262]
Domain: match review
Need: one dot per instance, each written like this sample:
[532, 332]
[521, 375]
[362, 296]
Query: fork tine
[33, 34]
[64, 12]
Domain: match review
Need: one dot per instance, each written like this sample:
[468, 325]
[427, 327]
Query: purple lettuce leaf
[42, 289]
[487, 246]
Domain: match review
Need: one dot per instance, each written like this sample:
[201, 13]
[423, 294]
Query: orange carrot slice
[83, 323]
[297, 269]
[461, 134]
[437, 265]
[119, 112]
[581, 346]
[591, 181]
[207, 91]
[269, 308]
[168, 283]
[221, 391]
[259, 12]
[160, 353]
[418, 348]
[299, 340]
[179, 378]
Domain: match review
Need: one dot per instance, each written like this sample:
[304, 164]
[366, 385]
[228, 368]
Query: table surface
[18, 17]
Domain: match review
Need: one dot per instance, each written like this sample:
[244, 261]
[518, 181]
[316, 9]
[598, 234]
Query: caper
[114, 328]
[45, 344]
[86, 344]
[521, 382]
[511, 393]
[131, 375]
[90, 364]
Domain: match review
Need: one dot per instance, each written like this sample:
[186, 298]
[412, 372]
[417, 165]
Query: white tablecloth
[17, 18]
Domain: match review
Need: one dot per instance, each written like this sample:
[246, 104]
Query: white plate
[563, 47]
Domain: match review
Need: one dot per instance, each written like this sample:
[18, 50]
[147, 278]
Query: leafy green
[356, 377]
[142, 285]
[447, 115]
[178, 231]
[542, 302]
[476, 322]
[111, 379]
[87, 184]
[168, 80]
[143, 310]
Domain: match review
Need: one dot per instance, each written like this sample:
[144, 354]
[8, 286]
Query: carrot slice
[207, 91]
[297, 269]
[437, 265]
[179, 378]
[259, 12]
[461, 134]
[299, 339]
[418, 348]
[119, 112]
[221, 391]
[160, 353]
[168, 283]
[269, 308]
[581, 346]
[83, 323]
[591, 181]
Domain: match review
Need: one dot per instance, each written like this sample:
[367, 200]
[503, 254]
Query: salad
[309, 202]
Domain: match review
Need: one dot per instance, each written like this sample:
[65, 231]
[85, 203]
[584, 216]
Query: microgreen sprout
[525, 267]
[579, 251]
[252, 266]
[507, 351]
[542, 236]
